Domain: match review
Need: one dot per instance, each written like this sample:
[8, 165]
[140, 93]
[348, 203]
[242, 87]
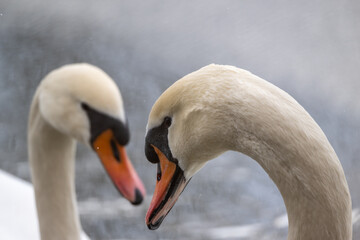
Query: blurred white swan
[76, 102]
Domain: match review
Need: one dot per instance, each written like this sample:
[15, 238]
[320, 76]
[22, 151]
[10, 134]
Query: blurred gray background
[311, 49]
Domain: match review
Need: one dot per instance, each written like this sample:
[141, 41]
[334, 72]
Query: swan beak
[170, 184]
[117, 164]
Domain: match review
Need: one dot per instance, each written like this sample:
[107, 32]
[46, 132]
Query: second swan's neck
[51, 156]
[282, 137]
[312, 185]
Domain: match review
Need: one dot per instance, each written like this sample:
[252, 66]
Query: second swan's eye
[167, 122]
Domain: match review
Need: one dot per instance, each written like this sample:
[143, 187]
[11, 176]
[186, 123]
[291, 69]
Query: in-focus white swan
[220, 108]
[76, 102]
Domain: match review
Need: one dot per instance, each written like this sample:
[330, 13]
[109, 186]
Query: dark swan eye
[167, 122]
[85, 106]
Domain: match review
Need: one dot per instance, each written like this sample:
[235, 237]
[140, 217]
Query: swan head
[83, 102]
[185, 129]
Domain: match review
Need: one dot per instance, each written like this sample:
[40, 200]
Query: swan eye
[167, 122]
[85, 106]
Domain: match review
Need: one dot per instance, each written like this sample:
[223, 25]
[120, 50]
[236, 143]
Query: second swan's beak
[169, 185]
[117, 164]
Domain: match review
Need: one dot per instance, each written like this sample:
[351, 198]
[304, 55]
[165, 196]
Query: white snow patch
[281, 221]
[18, 218]
[93, 206]
[241, 231]
[355, 216]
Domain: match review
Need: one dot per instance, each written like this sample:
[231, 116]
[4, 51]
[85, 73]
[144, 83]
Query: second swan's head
[83, 102]
[188, 125]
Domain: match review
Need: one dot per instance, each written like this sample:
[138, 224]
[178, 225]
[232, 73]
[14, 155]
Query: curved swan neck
[281, 136]
[51, 156]
[314, 189]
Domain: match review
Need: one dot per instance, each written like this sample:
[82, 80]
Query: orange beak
[117, 164]
[170, 184]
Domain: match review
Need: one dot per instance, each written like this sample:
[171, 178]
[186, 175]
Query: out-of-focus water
[310, 49]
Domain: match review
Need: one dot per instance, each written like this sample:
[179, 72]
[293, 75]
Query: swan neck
[51, 156]
[310, 179]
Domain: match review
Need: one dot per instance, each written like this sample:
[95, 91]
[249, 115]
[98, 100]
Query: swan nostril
[115, 150]
[158, 175]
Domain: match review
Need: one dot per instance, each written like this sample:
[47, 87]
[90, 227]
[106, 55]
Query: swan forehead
[195, 88]
[162, 108]
[168, 104]
[88, 84]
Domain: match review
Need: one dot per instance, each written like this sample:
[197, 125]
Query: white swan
[76, 102]
[220, 108]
